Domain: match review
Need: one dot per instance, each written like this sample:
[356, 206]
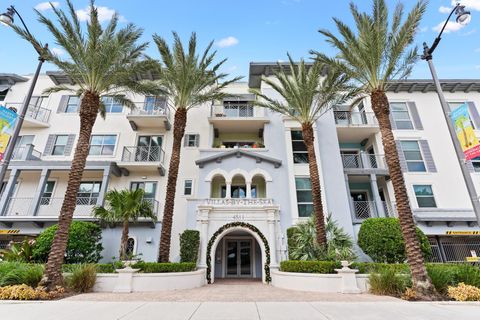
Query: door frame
[252, 260]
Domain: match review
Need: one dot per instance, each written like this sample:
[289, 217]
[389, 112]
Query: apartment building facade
[243, 176]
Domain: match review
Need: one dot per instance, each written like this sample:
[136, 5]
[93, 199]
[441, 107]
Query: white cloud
[450, 27]
[227, 42]
[423, 29]
[57, 51]
[477, 50]
[44, 6]
[104, 14]
[469, 4]
[444, 9]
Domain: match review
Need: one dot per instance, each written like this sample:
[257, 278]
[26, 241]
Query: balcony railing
[151, 109]
[233, 111]
[154, 204]
[33, 112]
[242, 202]
[364, 209]
[143, 154]
[351, 118]
[390, 209]
[363, 161]
[19, 206]
[26, 153]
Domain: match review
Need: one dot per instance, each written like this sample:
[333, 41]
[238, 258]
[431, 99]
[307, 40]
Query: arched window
[130, 246]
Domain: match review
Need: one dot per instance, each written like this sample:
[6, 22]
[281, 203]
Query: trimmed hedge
[309, 266]
[101, 267]
[189, 245]
[155, 267]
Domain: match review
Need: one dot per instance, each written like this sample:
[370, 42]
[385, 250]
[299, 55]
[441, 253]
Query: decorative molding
[241, 202]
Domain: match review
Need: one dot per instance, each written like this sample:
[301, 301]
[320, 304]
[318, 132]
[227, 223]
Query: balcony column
[228, 191]
[27, 155]
[8, 190]
[376, 195]
[249, 189]
[272, 237]
[202, 226]
[364, 160]
[37, 197]
[350, 200]
[103, 187]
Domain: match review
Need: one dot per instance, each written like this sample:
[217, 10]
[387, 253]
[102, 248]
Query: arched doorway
[233, 242]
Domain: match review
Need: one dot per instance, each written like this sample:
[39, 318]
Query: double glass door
[239, 258]
[149, 148]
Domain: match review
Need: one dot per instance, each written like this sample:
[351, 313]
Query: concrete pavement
[92, 310]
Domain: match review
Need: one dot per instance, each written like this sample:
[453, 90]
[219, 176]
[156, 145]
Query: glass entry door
[239, 258]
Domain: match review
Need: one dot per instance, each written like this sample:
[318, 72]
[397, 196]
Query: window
[192, 140]
[88, 193]
[413, 156]
[59, 145]
[3, 94]
[424, 195]
[103, 145]
[130, 249]
[304, 197]
[300, 154]
[72, 104]
[401, 115]
[47, 193]
[188, 187]
[155, 105]
[149, 188]
[112, 106]
[20, 146]
[455, 105]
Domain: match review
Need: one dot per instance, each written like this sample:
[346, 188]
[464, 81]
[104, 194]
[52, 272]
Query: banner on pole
[465, 134]
[8, 119]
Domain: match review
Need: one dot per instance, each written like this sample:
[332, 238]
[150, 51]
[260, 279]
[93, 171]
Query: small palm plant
[306, 96]
[124, 207]
[378, 51]
[99, 61]
[188, 80]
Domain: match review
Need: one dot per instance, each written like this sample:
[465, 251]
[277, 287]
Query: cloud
[469, 4]
[423, 29]
[44, 6]
[468, 33]
[477, 50]
[104, 14]
[450, 27]
[444, 9]
[57, 51]
[227, 42]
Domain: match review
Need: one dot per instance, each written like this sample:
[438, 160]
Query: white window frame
[296, 197]
[421, 154]
[408, 113]
[192, 189]
[111, 104]
[68, 103]
[293, 151]
[197, 142]
[433, 195]
[114, 148]
[55, 144]
[55, 184]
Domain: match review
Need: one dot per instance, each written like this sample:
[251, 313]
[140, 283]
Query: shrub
[291, 242]
[83, 243]
[388, 282]
[21, 252]
[464, 292]
[467, 274]
[375, 267]
[83, 277]
[382, 240]
[155, 267]
[309, 266]
[442, 276]
[16, 273]
[25, 292]
[189, 244]
[100, 267]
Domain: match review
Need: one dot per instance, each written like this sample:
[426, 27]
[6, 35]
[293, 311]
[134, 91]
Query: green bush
[442, 276]
[15, 273]
[100, 267]
[291, 241]
[309, 266]
[382, 240]
[371, 267]
[155, 267]
[83, 277]
[467, 274]
[388, 282]
[83, 243]
[189, 244]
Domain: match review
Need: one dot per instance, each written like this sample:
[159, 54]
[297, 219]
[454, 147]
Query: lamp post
[7, 19]
[463, 17]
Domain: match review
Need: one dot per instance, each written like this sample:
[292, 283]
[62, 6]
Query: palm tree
[100, 60]
[373, 55]
[125, 206]
[188, 80]
[306, 97]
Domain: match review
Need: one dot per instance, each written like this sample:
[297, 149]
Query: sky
[247, 31]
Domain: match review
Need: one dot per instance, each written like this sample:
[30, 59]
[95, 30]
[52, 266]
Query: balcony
[142, 158]
[36, 117]
[367, 209]
[364, 163]
[150, 116]
[24, 153]
[23, 207]
[354, 127]
[238, 117]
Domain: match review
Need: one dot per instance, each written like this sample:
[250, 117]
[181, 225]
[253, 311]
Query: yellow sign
[463, 233]
[10, 231]
[473, 259]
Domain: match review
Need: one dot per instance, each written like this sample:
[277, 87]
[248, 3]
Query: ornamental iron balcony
[363, 160]
[143, 154]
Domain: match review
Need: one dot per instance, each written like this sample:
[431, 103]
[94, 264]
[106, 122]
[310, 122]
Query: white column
[376, 195]
[202, 225]
[8, 190]
[272, 238]
[103, 187]
[37, 198]
[249, 189]
[229, 189]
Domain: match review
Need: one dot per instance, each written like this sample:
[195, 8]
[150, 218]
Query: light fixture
[463, 16]
[7, 17]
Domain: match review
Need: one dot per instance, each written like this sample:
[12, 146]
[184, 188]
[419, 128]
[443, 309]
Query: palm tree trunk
[421, 281]
[309, 139]
[178, 131]
[88, 115]
[124, 241]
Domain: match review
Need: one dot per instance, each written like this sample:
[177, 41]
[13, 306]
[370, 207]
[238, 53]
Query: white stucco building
[243, 176]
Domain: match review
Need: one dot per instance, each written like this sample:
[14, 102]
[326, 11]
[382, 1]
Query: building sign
[465, 134]
[463, 233]
[9, 231]
[8, 119]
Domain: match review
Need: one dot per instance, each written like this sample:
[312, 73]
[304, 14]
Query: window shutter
[49, 146]
[401, 157]
[427, 155]
[474, 113]
[392, 122]
[185, 140]
[197, 140]
[62, 106]
[415, 116]
[69, 146]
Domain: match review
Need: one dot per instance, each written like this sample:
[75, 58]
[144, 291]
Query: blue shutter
[427, 155]
[417, 124]
[49, 145]
[69, 146]
[401, 156]
[62, 106]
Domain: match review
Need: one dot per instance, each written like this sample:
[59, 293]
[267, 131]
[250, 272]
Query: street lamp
[7, 19]
[463, 18]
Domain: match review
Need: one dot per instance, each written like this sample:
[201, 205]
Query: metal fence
[363, 161]
[20, 206]
[233, 110]
[364, 209]
[454, 249]
[33, 112]
[159, 108]
[143, 154]
[352, 118]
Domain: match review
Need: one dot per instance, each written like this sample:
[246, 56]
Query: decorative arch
[261, 172]
[241, 172]
[243, 226]
[217, 172]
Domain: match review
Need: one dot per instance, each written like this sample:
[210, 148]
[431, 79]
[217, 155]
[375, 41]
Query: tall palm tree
[188, 80]
[125, 206]
[100, 60]
[307, 95]
[377, 52]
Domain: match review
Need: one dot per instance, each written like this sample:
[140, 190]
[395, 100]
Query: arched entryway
[236, 239]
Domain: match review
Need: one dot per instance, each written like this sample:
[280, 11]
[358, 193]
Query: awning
[4, 87]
